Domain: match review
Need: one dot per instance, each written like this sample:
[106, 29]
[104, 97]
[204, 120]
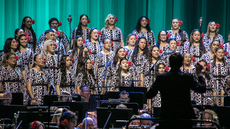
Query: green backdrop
[160, 13]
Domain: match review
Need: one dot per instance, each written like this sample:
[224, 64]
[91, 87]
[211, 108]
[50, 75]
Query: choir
[100, 60]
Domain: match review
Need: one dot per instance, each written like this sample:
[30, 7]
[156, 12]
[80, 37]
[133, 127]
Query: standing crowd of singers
[98, 58]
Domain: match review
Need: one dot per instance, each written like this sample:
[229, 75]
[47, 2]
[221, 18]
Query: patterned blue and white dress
[94, 48]
[114, 35]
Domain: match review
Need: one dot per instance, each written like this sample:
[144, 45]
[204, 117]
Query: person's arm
[30, 91]
[1, 88]
[199, 86]
[57, 87]
[77, 89]
[142, 77]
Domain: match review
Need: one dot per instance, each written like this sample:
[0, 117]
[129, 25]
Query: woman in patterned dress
[187, 66]
[27, 53]
[162, 40]
[219, 70]
[123, 75]
[27, 27]
[147, 80]
[52, 64]
[160, 69]
[85, 76]
[66, 81]
[38, 80]
[113, 67]
[212, 33]
[131, 40]
[77, 45]
[11, 78]
[195, 47]
[227, 47]
[102, 58]
[209, 89]
[208, 57]
[139, 54]
[143, 29]
[172, 46]
[180, 35]
[93, 44]
[18, 32]
[112, 32]
[82, 28]
[10, 46]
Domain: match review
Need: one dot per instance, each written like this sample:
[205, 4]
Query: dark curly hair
[16, 32]
[157, 67]
[136, 49]
[214, 58]
[63, 69]
[32, 31]
[68, 115]
[7, 46]
[91, 33]
[138, 26]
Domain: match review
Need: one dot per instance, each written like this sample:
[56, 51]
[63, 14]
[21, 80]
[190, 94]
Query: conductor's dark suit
[175, 94]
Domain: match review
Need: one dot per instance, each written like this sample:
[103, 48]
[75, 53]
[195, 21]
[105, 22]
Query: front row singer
[175, 88]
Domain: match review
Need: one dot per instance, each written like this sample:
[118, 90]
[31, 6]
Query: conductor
[175, 88]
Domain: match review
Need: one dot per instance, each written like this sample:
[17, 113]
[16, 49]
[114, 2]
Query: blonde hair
[46, 47]
[208, 30]
[107, 21]
[59, 110]
[212, 113]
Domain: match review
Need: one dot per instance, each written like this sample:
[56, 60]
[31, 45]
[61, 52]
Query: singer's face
[84, 20]
[54, 24]
[21, 31]
[23, 41]
[143, 22]
[121, 53]
[12, 60]
[196, 36]
[85, 52]
[124, 64]
[204, 68]
[39, 61]
[111, 20]
[51, 47]
[88, 64]
[28, 22]
[50, 36]
[212, 27]
[142, 44]
[68, 62]
[132, 40]
[175, 24]
[161, 69]
[172, 45]
[187, 59]
[107, 44]
[94, 34]
[155, 52]
[13, 44]
[79, 42]
[220, 54]
[163, 36]
[214, 46]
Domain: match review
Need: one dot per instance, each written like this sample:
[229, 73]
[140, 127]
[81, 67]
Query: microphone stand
[103, 84]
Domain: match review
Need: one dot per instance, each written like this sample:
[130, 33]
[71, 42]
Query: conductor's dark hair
[176, 60]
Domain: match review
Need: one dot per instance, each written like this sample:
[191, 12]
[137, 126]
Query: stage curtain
[160, 13]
